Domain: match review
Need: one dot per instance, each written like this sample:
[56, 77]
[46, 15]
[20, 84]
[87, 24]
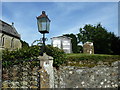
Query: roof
[43, 15]
[8, 29]
[61, 37]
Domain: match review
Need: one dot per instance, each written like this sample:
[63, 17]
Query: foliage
[24, 44]
[18, 56]
[38, 42]
[27, 54]
[115, 44]
[58, 55]
[80, 49]
[73, 41]
[103, 41]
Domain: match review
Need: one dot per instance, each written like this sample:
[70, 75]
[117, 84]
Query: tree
[103, 41]
[24, 44]
[115, 44]
[80, 49]
[73, 41]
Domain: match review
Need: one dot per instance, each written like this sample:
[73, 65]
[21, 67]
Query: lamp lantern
[43, 23]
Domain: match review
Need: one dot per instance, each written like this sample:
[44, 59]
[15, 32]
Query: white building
[62, 42]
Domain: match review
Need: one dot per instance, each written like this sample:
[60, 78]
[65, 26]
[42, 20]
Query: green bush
[10, 58]
[58, 55]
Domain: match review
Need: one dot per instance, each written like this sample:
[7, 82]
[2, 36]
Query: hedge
[27, 54]
[58, 55]
[10, 58]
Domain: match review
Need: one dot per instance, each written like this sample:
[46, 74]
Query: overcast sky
[66, 17]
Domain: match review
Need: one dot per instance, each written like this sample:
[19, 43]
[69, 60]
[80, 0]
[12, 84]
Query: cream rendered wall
[66, 45]
[62, 43]
[57, 43]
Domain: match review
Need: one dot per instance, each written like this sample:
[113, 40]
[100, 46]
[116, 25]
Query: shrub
[10, 58]
[18, 56]
[58, 55]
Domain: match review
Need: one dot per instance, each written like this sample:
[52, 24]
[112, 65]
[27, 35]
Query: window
[57, 43]
[12, 43]
[2, 41]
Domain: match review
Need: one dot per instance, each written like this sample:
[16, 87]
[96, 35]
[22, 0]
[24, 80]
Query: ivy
[27, 54]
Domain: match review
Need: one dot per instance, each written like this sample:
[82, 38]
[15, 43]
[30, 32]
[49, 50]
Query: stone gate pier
[46, 72]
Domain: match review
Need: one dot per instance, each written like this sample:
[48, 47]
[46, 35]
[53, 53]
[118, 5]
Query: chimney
[13, 24]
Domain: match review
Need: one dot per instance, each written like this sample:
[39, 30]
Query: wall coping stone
[45, 57]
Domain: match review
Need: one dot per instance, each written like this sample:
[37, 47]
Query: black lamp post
[43, 27]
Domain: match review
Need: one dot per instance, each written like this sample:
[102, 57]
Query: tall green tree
[103, 41]
[115, 43]
[24, 44]
[86, 34]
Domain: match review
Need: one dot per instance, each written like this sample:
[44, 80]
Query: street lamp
[43, 27]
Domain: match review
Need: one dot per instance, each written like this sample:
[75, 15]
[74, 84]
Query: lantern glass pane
[39, 26]
[48, 25]
[43, 26]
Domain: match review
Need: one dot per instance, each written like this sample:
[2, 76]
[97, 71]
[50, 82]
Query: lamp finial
[43, 12]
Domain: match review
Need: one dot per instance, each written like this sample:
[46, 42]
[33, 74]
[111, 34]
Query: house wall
[62, 43]
[66, 45]
[9, 42]
[56, 42]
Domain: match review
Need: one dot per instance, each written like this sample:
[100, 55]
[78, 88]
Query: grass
[81, 54]
[90, 60]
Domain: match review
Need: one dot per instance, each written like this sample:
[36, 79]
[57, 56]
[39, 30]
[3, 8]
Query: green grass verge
[90, 60]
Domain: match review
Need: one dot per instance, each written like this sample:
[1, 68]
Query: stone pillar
[46, 72]
[88, 48]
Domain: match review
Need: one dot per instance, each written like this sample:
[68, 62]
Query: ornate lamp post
[43, 27]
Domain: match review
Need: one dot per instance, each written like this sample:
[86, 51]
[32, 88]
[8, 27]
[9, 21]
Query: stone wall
[83, 77]
[20, 76]
[33, 76]
[88, 48]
